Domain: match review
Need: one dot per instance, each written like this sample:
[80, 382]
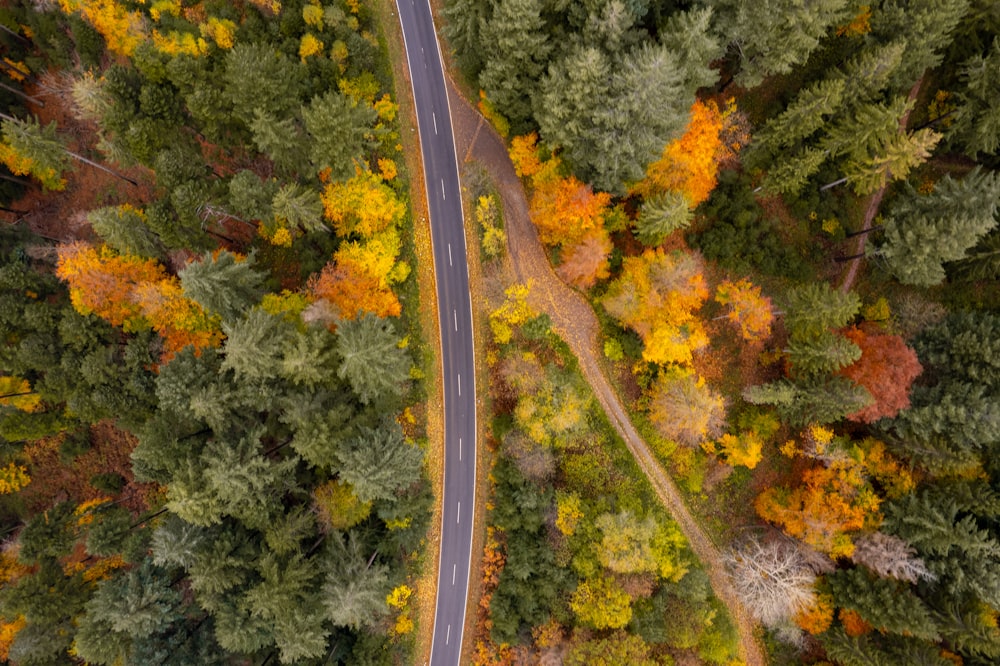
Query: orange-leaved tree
[887, 368]
[658, 295]
[136, 294]
[565, 210]
[746, 307]
[690, 163]
[586, 262]
[831, 502]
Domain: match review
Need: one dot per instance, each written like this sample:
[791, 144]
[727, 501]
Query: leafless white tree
[890, 557]
[772, 578]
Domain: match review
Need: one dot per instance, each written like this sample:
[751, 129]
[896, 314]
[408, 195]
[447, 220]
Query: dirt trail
[574, 320]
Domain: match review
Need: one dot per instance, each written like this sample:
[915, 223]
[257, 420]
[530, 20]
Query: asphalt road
[444, 201]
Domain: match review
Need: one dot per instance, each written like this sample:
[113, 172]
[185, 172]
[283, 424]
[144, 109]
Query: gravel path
[574, 320]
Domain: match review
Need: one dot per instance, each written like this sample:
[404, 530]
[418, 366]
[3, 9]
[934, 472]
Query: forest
[212, 430]
[783, 216]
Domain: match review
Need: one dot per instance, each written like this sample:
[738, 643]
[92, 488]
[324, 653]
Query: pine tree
[29, 148]
[815, 308]
[355, 588]
[976, 125]
[661, 215]
[808, 112]
[515, 49]
[927, 26]
[965, 346]
[254, 344]
[297, 207]
[923, 231]
[771, 38]
[223, 283]
[259, 78]
[886, 604]
[124, 228]
[822, 354]
[378, 462]
[339, 127]
[815, 401]
[373, 363]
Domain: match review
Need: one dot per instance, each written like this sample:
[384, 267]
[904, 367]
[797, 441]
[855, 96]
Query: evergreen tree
[965, 346]
[976, 126]
[927, 26]
[298, 207]
[815, 401]
[339, 127]
[254, 344]
[283, 140]
[259, 78]
[124, 229]
[250, 196]
[661, 215]
[515, 49]
[883, 603]
[356, 586]
[379, 461]
[373, 363]
[772, 37]
[814, 308]
[822, 354]
[223, 283]
[924, 231]
[808, 112]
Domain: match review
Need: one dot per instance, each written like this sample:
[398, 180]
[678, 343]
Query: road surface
[444, 202]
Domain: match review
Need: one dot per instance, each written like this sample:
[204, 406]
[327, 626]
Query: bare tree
[890, 557]
[773, 579]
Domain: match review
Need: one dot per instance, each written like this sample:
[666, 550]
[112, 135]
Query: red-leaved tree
[887, 368]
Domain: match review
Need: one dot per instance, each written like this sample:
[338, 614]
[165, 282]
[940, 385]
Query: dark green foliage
[48, 536]
[338, 128]
[378, 461]
[924, 231]
[965, 345]
[824, 400]
[257, 77]
[733, 230]
[884, 603]
[125, 230]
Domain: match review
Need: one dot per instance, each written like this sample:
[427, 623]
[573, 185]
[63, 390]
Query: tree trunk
[863, 231]
[146, 519]
[839, 181]
[14, 395]
[101, 167]
[840, 260]
[14, 179]
[15, 35]
[33, 100]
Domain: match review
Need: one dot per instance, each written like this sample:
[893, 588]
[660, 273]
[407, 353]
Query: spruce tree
[223, 283]
[924, 231]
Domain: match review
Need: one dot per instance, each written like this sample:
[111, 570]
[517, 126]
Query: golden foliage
[337, 506]
[566, 210]
[859, 25]
[568, 512]
[363, 205]
[123, 30]
[817, 617]
[8, 631]
[601, 603]
[310, 45]
[221, 31]
[657, 295]
[747, 308]
[16, 392]
[493, 116]
[514, 311]
[524, 155]
[20, 165]
[13, 477]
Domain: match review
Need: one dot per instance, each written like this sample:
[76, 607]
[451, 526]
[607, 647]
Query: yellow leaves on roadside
[363, 205]
[513, 312]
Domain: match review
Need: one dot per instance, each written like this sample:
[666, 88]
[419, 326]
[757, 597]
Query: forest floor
[574, 320]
